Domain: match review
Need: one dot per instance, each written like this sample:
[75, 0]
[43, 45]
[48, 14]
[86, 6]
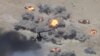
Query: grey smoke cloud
[22, 41]
[14, 41]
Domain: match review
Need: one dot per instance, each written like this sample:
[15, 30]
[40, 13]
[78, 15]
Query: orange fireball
[53, 23]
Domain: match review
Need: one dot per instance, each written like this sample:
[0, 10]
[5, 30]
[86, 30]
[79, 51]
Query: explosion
[53, 23]
[29, 8]
[55, 50]
[93, 31]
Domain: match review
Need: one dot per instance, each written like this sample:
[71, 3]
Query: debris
[89, 50]
[84, 21]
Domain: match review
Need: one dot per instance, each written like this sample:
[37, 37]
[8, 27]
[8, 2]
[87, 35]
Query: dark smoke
[13, 41]
[27, 16]
[43, 8]
[62, 53]
[72, 35]
[89, 50]
[32, 34]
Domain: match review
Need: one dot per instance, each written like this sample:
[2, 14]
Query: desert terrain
[12, 10]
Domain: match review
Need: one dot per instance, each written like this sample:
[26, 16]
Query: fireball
[29, 8]
[93, 31]
[53, 23]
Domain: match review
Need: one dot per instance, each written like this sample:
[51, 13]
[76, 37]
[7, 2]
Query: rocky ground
[76, 39]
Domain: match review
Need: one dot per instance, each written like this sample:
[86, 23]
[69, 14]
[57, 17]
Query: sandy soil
[79, 9]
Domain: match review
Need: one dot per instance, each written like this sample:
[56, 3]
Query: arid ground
[12, 10]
